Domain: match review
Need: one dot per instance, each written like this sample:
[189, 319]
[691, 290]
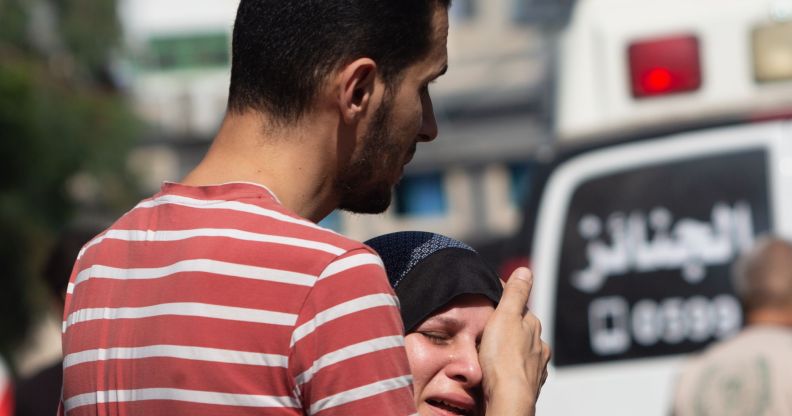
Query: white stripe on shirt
[177, 351]
[359, 393]
[348, 352]
[202, 310]
[194, 396]
[221, 204]
[196, 266]
[176, 235]
[342, 309]
[210, 204]
[351, 262]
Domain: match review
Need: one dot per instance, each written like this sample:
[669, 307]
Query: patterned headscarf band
[429, 270]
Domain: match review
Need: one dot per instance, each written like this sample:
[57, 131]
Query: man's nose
[429, 129]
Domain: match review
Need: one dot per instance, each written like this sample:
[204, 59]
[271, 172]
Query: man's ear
[356, 87]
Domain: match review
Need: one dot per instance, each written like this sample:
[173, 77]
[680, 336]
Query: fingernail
[523, 274]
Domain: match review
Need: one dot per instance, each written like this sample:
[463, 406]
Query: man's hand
[513, 357]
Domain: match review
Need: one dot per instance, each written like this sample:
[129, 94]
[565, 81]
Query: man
[750, 374]
[220, 295]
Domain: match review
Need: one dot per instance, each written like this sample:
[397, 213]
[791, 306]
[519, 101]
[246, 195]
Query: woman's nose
[464, 367]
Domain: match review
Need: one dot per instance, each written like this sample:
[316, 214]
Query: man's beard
[362, 190]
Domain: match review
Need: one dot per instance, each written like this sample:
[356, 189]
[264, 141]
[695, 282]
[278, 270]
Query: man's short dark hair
[284, 49]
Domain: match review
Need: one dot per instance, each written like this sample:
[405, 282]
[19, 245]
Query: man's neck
[295, 163]
[776, 317]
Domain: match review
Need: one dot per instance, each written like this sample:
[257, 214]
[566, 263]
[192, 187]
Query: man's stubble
[363, 187]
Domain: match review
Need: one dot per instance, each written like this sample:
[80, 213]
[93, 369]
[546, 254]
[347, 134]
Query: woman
[448, 295]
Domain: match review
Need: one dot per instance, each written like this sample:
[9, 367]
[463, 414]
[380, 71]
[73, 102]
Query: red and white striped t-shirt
[217, 300]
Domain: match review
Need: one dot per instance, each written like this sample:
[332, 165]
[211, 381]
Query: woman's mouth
[447, 408]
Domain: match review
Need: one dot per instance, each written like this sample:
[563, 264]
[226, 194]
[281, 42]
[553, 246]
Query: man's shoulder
[238, 221]
[747, 344]
[752, 338]
[349, 245]
[243, 206]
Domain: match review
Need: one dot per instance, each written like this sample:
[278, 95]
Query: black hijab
[429, 270]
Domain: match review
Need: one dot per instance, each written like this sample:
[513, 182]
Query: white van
[635, 64]
[675, 125]
[632, 255]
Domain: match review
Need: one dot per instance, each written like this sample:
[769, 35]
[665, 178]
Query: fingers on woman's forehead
[517, 291]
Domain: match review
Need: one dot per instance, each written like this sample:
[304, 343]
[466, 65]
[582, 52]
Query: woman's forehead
[462, 308]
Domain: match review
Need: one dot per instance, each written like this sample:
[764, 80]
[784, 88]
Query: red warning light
[658, 80]
[664, 66]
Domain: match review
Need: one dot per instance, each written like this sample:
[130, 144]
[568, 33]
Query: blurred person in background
[38, 395]
[220, 294]
[448, 294]
[751, 373]
[6, 391]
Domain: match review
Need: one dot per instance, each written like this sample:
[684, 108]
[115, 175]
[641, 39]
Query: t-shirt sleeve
[347, 349]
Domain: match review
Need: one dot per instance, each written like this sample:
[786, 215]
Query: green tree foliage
[89, 42]
[60, 120]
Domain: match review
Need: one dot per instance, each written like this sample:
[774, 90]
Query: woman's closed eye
[439, 338]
